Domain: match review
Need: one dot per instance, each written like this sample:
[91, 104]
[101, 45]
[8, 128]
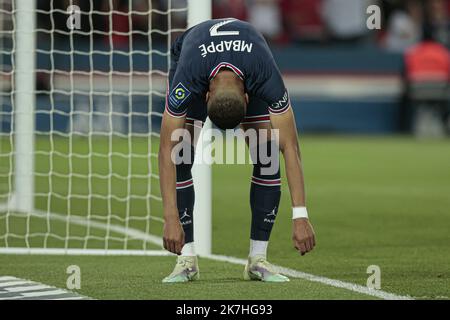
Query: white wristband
[299, 212]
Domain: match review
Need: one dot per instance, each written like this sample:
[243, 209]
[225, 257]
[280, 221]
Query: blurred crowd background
[283, 22]
[343, 77]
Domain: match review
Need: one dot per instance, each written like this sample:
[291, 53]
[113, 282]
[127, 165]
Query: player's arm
[173, 232]
[303, 233]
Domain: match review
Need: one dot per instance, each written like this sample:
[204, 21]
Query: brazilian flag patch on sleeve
[178, 95]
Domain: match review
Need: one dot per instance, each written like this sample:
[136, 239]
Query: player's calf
[265, 193]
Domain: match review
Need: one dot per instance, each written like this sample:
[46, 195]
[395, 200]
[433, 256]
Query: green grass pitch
[373, 201]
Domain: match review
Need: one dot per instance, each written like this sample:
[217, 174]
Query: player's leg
[265, 189]
[186, 268]
[185, 191]
[265, 192]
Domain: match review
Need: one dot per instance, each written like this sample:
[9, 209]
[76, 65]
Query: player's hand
[303, 235]
[173, 237]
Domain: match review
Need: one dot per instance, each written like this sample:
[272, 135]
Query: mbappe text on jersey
[234, 45]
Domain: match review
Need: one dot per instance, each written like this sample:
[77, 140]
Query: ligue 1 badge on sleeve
[178, 95]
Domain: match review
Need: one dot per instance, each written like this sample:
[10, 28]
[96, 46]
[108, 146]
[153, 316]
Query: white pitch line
[7, 278]
[70, 298]
[11, 298]
[83, 252]
[38, 294]
[28, 288]
[327, 281]
[44, 293]
[38, 297]
[13, 283]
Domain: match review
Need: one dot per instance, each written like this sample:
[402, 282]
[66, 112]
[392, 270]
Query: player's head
[226, 100]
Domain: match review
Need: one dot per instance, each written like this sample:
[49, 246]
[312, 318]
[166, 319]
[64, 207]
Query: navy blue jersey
[199, 54]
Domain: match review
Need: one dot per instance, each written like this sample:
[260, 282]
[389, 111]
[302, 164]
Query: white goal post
[78, 169]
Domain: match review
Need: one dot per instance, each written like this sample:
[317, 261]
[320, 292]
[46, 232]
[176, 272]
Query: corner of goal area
[13, 288]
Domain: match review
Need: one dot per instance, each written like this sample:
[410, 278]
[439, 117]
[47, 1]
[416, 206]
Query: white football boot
[259, 269]
[185, 270]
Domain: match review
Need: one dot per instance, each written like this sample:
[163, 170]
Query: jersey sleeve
[178, 94]
[270, 87]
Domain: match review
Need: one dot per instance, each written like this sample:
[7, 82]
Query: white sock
[258, 248]
[188, 250]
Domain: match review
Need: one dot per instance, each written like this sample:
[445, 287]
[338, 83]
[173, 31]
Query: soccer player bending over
[224, 69]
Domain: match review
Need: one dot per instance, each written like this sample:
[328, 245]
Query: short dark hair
[226, 109]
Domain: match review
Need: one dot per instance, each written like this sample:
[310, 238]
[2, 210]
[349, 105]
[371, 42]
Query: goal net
[82, 89]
